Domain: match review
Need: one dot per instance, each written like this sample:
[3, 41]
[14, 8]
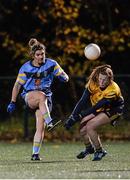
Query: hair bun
[32, 42]
[108, 66]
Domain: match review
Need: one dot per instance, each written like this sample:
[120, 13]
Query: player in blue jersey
[106, 107]
[36, 77]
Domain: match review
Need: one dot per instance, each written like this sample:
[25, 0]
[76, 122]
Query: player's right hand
[11, 107]
[70, 122]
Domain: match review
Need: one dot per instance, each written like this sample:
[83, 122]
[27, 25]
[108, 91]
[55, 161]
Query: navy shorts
[114, 114]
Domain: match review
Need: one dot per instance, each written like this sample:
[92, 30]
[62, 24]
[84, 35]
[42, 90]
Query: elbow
[67, 78]
[63, 77]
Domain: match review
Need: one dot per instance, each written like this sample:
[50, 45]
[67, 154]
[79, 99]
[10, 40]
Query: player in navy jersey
[36, 77]
[106, 106]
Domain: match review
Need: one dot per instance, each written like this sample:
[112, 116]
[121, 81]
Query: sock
[99, 149]
[89, 148]
[87, 145]
[47, 118]
[36, 147]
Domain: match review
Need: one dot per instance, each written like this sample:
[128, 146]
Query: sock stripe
[46, 115]
[36, 144]
[36, 147]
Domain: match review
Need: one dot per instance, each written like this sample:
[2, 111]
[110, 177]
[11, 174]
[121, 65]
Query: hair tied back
[32, 42]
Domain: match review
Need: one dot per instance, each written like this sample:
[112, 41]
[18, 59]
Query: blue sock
[36, 147]
[47, 118]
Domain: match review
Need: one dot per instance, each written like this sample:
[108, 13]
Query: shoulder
[50, 61]
[114, 86]
[112, 90]
[25, 65]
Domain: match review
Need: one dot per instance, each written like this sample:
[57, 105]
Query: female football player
[36, 77]
[106, 106]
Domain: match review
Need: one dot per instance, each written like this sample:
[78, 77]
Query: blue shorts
[49, 102]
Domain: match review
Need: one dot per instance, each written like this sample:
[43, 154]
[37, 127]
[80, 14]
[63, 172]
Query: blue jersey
[40, 78]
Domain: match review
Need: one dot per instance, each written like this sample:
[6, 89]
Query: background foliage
[66, 27]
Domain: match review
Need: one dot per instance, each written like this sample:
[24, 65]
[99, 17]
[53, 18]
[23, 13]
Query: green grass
[59, 162]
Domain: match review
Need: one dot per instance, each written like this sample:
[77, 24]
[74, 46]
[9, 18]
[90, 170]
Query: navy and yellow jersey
[112, 92]
[40, 78]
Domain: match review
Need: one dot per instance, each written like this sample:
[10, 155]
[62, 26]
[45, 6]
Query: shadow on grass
[35, 162]
[110, 170]
[49, 162]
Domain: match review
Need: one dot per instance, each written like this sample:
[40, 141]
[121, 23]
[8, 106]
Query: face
[39, 57]
[103, 81]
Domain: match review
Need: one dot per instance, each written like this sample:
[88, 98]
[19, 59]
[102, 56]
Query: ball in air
[92, 51]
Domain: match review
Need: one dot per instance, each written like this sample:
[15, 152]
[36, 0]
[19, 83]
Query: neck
[102, 89]
[36, 64]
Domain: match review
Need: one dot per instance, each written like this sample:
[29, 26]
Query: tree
[65, 27]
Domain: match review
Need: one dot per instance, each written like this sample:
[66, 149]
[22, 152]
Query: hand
[70, 122]
[11, 107]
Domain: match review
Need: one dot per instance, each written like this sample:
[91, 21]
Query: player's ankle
[98, 149]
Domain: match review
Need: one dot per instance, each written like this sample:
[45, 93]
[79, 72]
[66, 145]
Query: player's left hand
[70, 122]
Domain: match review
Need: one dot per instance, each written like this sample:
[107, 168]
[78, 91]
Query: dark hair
[103, 69]
[35, 45]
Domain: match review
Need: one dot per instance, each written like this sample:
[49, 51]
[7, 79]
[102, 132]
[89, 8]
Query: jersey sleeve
[21, 78]
[59, 73]
[82, 103]
[103, 102]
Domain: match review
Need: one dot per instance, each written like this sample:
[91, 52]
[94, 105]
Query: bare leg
[39, 134]
[83, 130]
[89, 149]
[39, 100]
[91, 127]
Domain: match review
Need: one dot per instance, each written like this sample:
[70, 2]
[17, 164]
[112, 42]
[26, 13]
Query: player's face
[103, 81]
[39, 57]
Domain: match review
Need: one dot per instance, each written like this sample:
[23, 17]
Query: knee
[43, 99]
[83, 132]
[90, 127]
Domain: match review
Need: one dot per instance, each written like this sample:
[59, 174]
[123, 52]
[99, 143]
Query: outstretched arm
[82, 103]
[75, 116]
[63, 77]
[73, 119]
[60, 73]
[103, 102]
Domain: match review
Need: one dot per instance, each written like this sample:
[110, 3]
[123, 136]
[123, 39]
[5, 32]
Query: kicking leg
[39, 100]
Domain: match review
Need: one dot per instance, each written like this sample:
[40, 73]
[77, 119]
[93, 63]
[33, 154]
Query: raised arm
[60, 74]
[76, 114]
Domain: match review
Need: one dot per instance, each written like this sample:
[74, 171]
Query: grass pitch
[59, 162]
